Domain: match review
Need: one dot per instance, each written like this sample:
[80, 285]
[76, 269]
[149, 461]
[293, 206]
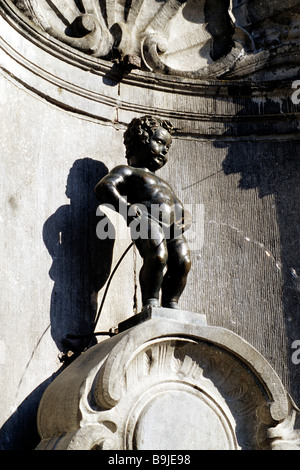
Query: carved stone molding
[90, 88]
[174, 36]
[199, 39]
[170, 371]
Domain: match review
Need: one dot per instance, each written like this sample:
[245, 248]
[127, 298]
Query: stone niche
[73, 75]
[167, 381]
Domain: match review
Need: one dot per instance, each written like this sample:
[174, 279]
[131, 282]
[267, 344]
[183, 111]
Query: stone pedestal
[168, 381]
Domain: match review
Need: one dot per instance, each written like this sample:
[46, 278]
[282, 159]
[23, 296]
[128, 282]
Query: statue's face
[158, 147]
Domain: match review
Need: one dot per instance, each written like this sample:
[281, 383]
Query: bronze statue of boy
[154, 214]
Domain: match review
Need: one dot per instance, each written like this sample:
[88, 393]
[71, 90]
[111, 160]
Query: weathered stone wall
[233, 162]
[50, 162]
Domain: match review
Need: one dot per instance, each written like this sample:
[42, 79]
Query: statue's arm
[108, 190]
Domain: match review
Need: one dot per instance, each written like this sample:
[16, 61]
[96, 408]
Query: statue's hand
[183, 224]
[134, 212]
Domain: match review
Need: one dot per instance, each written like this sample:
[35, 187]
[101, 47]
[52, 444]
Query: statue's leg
[155, 255]
[179, 265]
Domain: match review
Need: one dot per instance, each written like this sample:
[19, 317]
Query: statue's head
[147, 141]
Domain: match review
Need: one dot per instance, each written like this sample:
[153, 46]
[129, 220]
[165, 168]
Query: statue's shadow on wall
[272, 167]
[81, 262]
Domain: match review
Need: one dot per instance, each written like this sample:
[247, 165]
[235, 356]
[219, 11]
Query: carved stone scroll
[83, 29]
[168, 372]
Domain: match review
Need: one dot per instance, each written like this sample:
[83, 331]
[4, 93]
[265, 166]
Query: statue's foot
[171, 305]
[150, 303]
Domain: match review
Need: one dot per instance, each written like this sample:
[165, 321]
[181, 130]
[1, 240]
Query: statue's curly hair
[141, 130]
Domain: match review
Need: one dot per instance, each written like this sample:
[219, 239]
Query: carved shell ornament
[193, 38]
